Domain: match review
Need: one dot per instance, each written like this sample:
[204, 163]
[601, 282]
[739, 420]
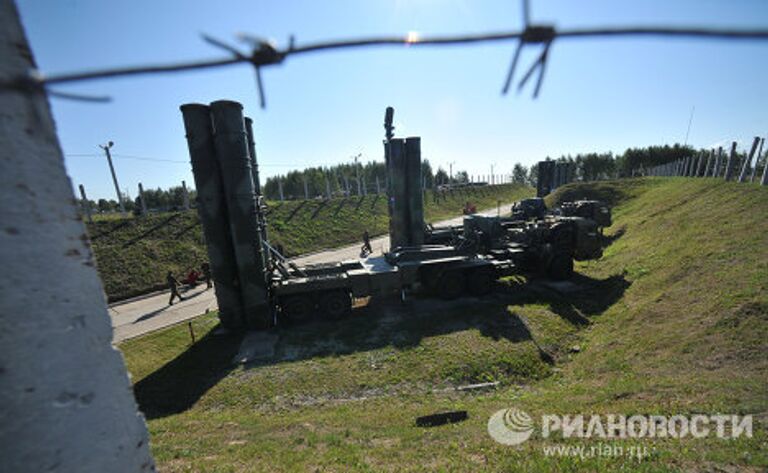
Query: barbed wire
[264, 53]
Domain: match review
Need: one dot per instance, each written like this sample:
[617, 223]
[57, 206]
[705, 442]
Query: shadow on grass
[320, 207]
[176, 386]
[296, 210]
[383, 322]
[583, 298]
[113, 229]
[340, 206]
[608, 240]
[152, 230]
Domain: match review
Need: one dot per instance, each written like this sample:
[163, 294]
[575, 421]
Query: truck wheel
[336, 305]
[480, 283]
[451, 285]
[297, 308]
[560, 267]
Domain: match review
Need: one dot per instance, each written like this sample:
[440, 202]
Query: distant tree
[519, 174]
[441, 177]
[533, 175]
[461, 177]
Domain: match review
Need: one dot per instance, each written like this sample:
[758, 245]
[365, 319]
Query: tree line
[157, 200]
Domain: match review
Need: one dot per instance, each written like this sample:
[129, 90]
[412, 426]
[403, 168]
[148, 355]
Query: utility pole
[492, 165]
[450, 171]
[106, 149]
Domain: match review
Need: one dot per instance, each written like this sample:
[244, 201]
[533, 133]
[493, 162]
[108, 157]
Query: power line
[179, 161]
[264, 53]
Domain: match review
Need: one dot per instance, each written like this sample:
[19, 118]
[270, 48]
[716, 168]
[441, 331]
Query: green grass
[133, 255]
[672, 320]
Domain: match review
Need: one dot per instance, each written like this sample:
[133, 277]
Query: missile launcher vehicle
[256, 287]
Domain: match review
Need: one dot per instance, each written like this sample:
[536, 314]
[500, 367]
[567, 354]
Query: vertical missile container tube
[415, 196]
[211, 208]
[261, 220]
[397, 193]
[231, 144]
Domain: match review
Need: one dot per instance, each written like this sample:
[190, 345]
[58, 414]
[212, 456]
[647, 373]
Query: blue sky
[598, 95]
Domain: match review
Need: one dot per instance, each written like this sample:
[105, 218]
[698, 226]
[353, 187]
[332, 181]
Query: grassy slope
[134, 254]
[673, 319]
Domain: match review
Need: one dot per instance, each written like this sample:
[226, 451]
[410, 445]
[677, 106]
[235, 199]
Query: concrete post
[718, 162]
[143, 202]
[65, 397]
[748, 160]
[306, 188]
[709, 161]
[730, 163]
[757, 160]
[764, 180]
[346, 185]
[280, 188]
[185, 194]
[230, 142]
[85, 204]
[212, 209]
[327, 188]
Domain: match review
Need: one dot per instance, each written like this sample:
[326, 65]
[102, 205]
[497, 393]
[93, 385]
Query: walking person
[173, 285]
[366, 249]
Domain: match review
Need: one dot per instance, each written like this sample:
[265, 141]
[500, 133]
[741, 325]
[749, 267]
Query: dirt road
[151, 312]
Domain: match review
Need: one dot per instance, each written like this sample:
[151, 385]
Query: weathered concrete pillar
[142, 201]
[708, 162]
[65, 398]
[757, 161]
[718, 162]
[280, 188]
[230, 142]
[764, 179]
[748, 160]
[730, 163]
[212, 209]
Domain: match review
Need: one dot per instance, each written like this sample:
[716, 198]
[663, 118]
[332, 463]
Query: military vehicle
[257, 287]
[594, 210]
[527, 209]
